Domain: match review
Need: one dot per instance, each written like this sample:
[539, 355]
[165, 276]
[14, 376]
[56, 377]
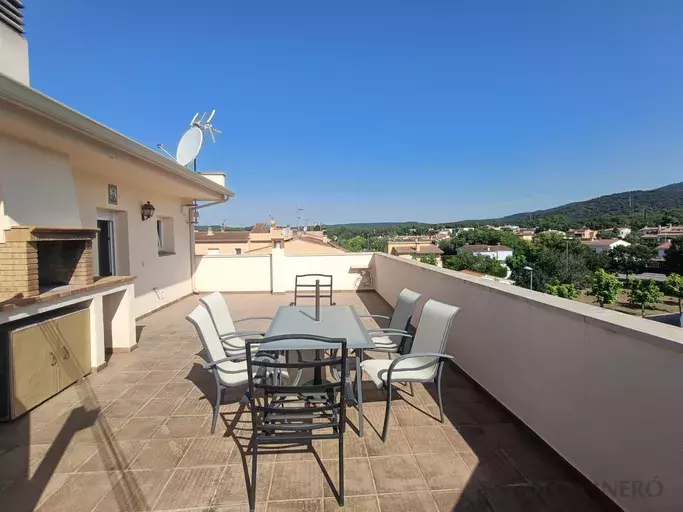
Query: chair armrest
[375, 316]
[253, 318]
[390, 332]
[212, 364]
[240, 334]
[438, 357]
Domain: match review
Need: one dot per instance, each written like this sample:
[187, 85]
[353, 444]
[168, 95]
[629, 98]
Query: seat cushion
[415, 369]
[234, 373]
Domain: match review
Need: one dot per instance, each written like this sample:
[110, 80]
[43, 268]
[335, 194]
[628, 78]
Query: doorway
[105, 247]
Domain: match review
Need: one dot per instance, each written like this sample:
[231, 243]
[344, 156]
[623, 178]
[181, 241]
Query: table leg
[359, 391]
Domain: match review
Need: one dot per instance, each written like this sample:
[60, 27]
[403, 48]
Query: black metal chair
[297, 414]
[306, 282]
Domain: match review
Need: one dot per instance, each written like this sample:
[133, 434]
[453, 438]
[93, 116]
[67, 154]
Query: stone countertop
[61, 292]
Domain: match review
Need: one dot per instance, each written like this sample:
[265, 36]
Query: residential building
[606, 245]
[661, 233]
[525, 234]
[90, 220]
[622, 232]
[583, 233]
[498, 252]
[221, 242]
[661, 250]
[414, 249]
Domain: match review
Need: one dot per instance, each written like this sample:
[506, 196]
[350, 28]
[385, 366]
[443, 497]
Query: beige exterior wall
[13, 55]
[276, 272]
[160, 278]
[233, 273]
[601, 387]
[224, 248]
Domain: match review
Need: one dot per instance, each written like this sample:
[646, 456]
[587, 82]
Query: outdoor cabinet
[39, 358]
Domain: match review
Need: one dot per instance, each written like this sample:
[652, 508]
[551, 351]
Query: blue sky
[383, 110]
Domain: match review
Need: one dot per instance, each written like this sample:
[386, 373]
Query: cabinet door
[34, 368]
[73, 351]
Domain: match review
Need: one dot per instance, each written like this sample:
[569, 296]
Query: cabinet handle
[54, 359]
[66, 353]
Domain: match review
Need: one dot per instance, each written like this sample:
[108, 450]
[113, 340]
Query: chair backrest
[230, 373]
[304, 287]
[219, 313]
[296, 412]
[432, 331]
[403, 312]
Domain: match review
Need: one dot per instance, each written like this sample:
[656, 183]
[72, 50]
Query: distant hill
[668, 197]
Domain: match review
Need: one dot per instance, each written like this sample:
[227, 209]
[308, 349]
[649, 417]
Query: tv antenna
[194, 138]
[298, 216]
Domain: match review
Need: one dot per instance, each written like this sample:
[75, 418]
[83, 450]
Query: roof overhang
[32, 116]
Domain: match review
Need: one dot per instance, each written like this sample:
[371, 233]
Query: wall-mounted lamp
[147, 211]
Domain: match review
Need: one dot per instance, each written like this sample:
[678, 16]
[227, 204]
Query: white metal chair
[395, 337]
[425, 361]
[232, 339]
[229, 371]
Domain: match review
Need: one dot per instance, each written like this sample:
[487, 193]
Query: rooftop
[136, 437]
[486, 248]
[413, 249]
[219, 237]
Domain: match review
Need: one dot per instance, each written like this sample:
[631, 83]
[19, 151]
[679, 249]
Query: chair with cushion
[425, 361]
[395, 337]
[232, 339]
[229, 371]
[297, 414]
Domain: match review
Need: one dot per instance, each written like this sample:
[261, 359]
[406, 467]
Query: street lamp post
[531, 277]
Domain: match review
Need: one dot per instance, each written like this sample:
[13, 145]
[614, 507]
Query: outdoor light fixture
[147, 211]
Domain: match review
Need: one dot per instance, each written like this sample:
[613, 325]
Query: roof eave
[31, 100]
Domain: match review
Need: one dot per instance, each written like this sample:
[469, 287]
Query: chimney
[13, 45]
[209, 231]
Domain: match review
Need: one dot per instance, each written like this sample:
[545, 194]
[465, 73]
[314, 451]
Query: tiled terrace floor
[136, 436]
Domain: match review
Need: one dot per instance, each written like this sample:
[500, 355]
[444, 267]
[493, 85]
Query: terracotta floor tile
[28, 495]
[208, 451]
[109, 391]
[410, 417]
[139, 428]
[157, 377]
[295, 506]
[396, 444]
[158, 407]
[191, 487]
[15, 464]
[113, 456]
[180, 426]
[352, 504]
[125, 378]
[161, 454]
[124, 407]
[407, 502]
[174, 390]
[296, 480]
[492, 468]
[297, 452]
[397, 474]
[233, 485]
[428, 440]
[354, 447]
[358, 479]
[71, 498]
[443, 472]
[465, 500]
[516, 498]
[140, 390]
[135, 491]
[193, 406]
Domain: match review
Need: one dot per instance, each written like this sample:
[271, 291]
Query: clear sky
[369, 110]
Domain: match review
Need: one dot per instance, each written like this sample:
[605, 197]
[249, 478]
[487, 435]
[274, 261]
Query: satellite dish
[189, 145]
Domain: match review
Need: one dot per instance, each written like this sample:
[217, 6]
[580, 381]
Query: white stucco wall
[13, 55]
[160, 279]
[601, 387]
[224, 273]
[36, 187]
[276, 272]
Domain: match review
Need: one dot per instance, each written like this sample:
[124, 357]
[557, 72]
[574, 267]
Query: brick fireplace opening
[37, 259]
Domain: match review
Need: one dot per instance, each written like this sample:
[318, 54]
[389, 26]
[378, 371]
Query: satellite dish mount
[194, 138]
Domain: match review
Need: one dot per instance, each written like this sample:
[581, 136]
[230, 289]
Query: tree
[644, 292]
[673, 256]
[674, 287]
[429, 259]
[477, 262]
[631, 259]
[605, 287]
[355, 244]
[566, 291]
